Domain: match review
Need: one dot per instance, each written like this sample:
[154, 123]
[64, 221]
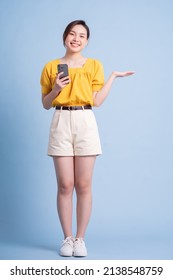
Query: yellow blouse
[84, 81]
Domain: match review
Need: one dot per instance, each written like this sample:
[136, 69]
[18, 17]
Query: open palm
[123, 74]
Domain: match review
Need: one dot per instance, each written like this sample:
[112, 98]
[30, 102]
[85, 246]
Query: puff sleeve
[98, 76]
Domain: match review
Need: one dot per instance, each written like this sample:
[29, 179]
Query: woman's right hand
[60, 83]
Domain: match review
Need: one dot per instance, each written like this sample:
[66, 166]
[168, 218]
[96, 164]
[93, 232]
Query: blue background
[133, 182]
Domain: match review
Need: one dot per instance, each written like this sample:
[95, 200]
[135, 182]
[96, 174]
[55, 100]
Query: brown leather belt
[72, 108]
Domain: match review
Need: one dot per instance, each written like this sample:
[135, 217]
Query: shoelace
[69, 241]
[78, 242]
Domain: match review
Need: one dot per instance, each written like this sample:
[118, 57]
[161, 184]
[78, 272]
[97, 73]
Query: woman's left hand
[122, 74]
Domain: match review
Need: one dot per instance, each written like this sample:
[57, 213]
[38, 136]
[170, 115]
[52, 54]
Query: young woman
[74, 139]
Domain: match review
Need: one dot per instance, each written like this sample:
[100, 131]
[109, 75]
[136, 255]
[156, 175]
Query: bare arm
[59, 85]
[100, 96]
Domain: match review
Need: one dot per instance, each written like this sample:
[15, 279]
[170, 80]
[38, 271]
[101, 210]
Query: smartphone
[63, 68]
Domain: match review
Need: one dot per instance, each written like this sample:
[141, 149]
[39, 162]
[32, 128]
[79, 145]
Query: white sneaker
[79, 248]
[66, 249]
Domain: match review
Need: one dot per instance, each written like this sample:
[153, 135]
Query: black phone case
[63, 68]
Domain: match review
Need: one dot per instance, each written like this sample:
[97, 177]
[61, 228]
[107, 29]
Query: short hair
[71, 25]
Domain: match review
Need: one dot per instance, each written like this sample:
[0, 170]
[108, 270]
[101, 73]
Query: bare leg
[64, 167]
[83, 182]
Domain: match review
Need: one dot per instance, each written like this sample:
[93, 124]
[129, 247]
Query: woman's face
[76, 39]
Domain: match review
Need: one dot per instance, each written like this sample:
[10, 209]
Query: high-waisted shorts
[74, 133]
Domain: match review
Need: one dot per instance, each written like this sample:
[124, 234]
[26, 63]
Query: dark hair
[71, 25]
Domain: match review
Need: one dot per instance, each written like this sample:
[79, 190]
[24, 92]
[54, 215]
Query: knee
[83, 187]
[65, 187]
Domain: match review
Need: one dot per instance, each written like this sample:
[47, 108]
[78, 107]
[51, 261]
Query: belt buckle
[69, 108]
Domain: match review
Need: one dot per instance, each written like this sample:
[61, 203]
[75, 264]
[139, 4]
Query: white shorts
[74, 133]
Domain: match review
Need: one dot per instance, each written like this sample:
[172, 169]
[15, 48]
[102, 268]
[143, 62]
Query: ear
[86, 43]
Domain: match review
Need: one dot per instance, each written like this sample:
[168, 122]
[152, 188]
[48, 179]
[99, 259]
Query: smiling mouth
[75, 44]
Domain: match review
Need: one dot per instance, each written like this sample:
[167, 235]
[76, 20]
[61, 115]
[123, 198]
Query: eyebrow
[79, 33]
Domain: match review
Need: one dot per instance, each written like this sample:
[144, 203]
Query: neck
[75, 60]
[73, 56]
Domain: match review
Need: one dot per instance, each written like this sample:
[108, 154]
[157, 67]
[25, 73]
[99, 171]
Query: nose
[76, 37]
